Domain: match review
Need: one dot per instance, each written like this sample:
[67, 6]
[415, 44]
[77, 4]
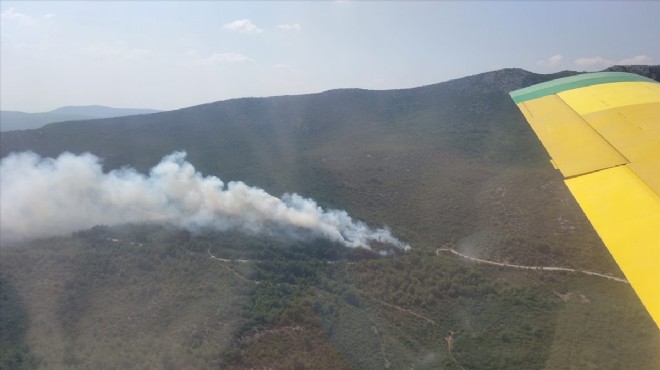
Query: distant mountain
[652, 72]
[13, 120]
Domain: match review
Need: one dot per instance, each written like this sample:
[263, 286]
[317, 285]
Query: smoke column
[43, 197]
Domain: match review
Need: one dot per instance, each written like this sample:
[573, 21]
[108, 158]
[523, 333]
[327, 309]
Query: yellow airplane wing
[602, 131]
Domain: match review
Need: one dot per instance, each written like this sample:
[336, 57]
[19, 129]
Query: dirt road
[536, 268]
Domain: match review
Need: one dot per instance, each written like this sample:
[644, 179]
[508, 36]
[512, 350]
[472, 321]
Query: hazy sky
[168, 55]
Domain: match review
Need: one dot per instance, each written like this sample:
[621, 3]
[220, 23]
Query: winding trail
[399, 308]
[428, 320]
[226, 260]
[230, 269]
[535, 268]
[450, 339]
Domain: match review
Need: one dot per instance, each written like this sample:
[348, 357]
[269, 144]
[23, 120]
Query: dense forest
[144, 296]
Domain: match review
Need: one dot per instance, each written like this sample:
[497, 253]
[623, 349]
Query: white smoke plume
[43, 197]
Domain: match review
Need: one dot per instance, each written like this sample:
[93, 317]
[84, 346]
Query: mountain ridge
[350, 148]
[16, 120]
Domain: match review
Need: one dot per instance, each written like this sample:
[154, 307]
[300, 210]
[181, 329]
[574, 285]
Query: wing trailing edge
[602, 131]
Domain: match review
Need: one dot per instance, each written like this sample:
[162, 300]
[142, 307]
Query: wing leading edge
[602, 131]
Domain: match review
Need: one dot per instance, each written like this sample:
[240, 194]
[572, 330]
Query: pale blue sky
[168, 55]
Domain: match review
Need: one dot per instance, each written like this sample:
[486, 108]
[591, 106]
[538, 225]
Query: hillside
[447, 165]
[12, 120]
[451, 162]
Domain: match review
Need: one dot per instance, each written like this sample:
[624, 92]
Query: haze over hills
[449, 165]
[374, 153]
[13, 120]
